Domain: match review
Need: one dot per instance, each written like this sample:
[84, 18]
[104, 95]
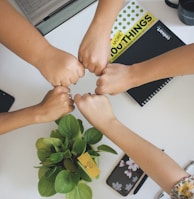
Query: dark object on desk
[185, 10]
[6, 101]
[157, 40]
[126, 178]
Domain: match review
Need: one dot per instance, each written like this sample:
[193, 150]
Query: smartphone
[189, 169]
[127, 177]
[6, 101]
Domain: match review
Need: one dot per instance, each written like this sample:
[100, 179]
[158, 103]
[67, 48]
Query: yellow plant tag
[117, 39]
[89, 165]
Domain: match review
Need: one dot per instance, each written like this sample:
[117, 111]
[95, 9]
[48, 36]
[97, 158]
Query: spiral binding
[156, 91]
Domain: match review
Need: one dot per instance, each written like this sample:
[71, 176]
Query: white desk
[167, 120]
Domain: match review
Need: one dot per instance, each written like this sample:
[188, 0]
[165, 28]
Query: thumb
[77, 97]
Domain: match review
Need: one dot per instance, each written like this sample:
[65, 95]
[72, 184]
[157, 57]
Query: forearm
[13, 120]
[106, 13]
[160, 167]
[177, 62]
[17, 34]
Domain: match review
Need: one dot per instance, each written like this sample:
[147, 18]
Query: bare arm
[55, 104]
[145, 154]
[17, 34]
[94, 50]
[179, 61]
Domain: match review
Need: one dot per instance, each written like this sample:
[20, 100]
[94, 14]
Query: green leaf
[50, 172]
[83, 173]
[48, 163]
[42, 171]
[106, 148]
[56, 157]
[69, 165]
[55, 142]
[56, 134]
[66, 181]
[46, 186]
[81, 191]
[93, 136]
[93, 152]
[66, 144]
[40, 144]
[67, 154]
[69, 126]
[43, 154]
[81, 127]
[79, 147]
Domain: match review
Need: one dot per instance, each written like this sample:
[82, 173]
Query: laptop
[46, 15]
[37, 11]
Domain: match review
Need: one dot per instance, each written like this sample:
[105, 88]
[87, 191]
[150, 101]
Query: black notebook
[151, 44]
[154, 39]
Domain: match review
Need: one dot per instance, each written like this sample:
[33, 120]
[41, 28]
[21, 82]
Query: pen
[140, 184]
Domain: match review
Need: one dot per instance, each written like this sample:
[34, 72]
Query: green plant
[61, 169]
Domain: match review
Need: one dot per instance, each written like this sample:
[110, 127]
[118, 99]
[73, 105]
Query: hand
[55, 104]
[96, 109]
[94, 53]
[116, 78]
[61, 68]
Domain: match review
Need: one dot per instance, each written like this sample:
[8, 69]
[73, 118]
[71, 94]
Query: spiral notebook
[137, 36]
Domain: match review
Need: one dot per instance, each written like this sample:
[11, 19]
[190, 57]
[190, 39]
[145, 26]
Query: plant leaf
[81, 127]
[66, 181]
[67, 154]
[55, 142]
[93, 153]
[83, 174]
[106, 148]
[40, 144]
[81, 191]
[69, 165]
[46, 186]
[56, 157]
[69, 126]
[56, 134]
[93, 136]
[42, 171]
[50, 172]
[66, 143]
[79, 147]
[43, 154]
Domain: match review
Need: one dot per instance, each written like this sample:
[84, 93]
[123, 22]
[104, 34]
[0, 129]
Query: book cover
[137, 36]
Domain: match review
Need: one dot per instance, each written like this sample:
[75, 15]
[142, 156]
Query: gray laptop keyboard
[31, 6]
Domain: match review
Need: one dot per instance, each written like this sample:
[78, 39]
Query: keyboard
[32, 5]
[38, 10]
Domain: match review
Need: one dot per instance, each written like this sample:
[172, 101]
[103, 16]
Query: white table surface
[167, 120]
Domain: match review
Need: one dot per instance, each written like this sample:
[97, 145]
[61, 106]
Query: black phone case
[127, 177]
[6, 101]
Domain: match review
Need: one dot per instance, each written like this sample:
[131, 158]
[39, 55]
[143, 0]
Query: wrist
[109, 127]
[39, 115]
[135, 76]
[43, 56]
[140, 74]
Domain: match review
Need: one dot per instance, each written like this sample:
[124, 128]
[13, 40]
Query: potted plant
[68, 159]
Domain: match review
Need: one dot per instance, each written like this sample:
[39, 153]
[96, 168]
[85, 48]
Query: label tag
[89, 165]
